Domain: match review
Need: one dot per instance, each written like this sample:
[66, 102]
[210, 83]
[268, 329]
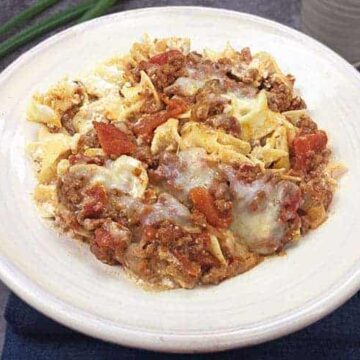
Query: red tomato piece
[94, 202]
[175, 107]
[163, 58]
[304, 145]
[112, 140]
[148, 124]
[204, 202]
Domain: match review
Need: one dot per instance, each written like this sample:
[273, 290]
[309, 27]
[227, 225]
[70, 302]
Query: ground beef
[80, 158]
[225, 122]
[247, 76]
[150, 105]
[245, 55]
[69, 190]
[316, 160]
[143, 153]
[220, 191]
[110, 242]
[172, 167]
[258, 202]
[209, 101]
[94, 202]
[297, 103]
[68, 115]
[167, 251]
[66, 221]
[67, 119]
[223, 207]
[316, 191]
[292, 232]
[248, 173]
[88, 140]
[317, 195]
[306, 125]
[163, 75]
[193, 58]
[280, 95]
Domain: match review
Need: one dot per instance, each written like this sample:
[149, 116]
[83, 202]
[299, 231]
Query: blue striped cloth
[32, 336]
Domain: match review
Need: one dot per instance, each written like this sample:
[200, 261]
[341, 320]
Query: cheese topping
[125, 174]
[168, 208]
[261, 228]
[192, 169]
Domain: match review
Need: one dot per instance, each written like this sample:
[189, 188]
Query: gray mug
[335, 23]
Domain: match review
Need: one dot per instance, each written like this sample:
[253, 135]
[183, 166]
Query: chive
[27, 14]
[44, 26]
[99, 9]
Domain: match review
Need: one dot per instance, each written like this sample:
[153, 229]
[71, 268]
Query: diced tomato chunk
[148, 124]
[305, 145]
[175, 107]
[310, 142]
[204, 202]
[112, 140]
[164, 57]
[94, 202]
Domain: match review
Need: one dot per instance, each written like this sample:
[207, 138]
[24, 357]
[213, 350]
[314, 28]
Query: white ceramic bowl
[62, 279]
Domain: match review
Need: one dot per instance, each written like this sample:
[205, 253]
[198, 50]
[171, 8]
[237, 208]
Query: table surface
[283, 11]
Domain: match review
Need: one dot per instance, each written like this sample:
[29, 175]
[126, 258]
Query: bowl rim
[89, 324]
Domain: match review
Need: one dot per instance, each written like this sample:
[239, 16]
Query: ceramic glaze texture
[61, 278]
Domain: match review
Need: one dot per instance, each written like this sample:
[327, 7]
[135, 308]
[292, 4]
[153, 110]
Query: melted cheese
[253, 115]
[260, 229]
[103, 80]
[168, 208]
[110, 107]
[196, 78]
[195, 171]
[95, 85]
[125, 174]
[83, 119]
[187, 86]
